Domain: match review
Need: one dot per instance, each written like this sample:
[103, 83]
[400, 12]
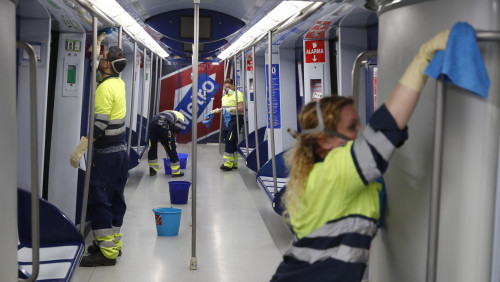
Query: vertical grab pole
[151, 93]
[255, 109]
[271, 105]
[91, 126]
[120, 37]
[243, 84]
[131, 117]
[35, 205]
[226, 67]
[355, 74]
[194, 127]
[158, 87]
[142, 99]
[236, 95]
[433, 235]
[432, 243]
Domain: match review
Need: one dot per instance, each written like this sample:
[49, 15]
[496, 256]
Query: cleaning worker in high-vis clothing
[231, 131]
[106, 204]
[332, 198]
[163, 127]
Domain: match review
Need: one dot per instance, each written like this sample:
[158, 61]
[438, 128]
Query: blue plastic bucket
[179, 191]
[166, 162]
[183, 159]
[167, 221]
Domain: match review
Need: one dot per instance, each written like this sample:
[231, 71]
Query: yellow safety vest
[229, 100]
[334, 190]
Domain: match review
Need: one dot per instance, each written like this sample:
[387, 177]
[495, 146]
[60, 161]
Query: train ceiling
[222, 22]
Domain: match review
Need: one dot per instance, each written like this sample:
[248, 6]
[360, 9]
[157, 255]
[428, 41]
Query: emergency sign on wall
[250, 65]
[314, 51]
[316, 89]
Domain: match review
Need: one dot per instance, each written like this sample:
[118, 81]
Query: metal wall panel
[8, 142]
[469, 158]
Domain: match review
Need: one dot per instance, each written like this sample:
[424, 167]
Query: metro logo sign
[176, 94]
[314, 51]
[207, 88]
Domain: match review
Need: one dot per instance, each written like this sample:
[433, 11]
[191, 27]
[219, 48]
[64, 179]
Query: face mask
[228, 91]
[98, 76]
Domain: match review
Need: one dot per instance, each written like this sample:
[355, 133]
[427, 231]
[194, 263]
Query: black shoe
[97, 259]
[152, 171]
[225, 168]
[234, 167]
[94, 249]
[180, 174]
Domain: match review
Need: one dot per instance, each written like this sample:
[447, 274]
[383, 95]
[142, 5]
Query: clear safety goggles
[321, 126]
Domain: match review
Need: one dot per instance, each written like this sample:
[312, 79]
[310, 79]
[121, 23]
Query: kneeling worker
[164, 126]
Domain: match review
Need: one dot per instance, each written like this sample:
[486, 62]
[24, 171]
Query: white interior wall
[63, 179]
[260, 90]
[36, 32]
[127, 78]
[288, 96]
[352, 41]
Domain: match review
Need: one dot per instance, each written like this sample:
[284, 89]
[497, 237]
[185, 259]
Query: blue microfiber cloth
[209, 121]
[461, 63]
[107, 30]
[227, 117]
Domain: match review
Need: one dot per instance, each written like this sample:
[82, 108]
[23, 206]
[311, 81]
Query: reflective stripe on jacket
[110, 111]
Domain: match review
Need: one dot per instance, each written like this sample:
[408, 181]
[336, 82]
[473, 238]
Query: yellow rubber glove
[231, 110]
[100, 38]
[414, 76]
[215, 111]
[77, 154]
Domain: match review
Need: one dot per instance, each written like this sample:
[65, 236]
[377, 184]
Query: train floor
[238, 236]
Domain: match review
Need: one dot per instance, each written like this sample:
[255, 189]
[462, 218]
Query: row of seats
[61, 244]
[265, 174]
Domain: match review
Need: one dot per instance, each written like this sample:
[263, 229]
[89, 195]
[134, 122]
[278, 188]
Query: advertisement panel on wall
[176, 94]
[275, 79]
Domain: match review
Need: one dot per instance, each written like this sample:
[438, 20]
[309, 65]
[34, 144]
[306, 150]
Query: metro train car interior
[204, 213]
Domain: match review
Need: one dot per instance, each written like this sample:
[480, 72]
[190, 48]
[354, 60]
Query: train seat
[242, 149]
[265, 180]
[251, 156]
[61, 245]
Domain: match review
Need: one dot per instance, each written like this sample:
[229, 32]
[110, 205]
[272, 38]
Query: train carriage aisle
[233, 217]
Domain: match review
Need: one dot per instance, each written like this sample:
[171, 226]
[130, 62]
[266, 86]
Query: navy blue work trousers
[106, 204]
[167, 139]
[232, 134]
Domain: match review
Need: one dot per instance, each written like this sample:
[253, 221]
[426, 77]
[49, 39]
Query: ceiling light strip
[113, 10]
[277, 16]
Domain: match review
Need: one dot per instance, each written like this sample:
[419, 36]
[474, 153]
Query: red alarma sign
[250, 65]
[315, 51]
